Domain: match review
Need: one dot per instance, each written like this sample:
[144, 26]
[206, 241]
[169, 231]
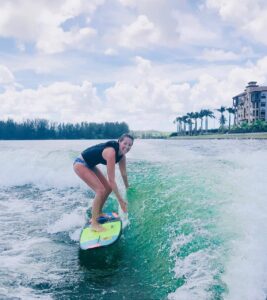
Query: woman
[109, 154]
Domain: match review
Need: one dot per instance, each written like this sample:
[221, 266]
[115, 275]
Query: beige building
[251, 104]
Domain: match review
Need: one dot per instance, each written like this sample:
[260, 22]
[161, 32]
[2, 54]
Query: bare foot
[103, 215]
[97, 227]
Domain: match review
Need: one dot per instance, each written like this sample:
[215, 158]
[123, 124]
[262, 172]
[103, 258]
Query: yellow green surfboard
[90, 239]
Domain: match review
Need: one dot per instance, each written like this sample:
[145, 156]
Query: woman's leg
[105, 183]
[92, 180]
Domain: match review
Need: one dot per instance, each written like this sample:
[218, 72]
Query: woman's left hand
[123, 205]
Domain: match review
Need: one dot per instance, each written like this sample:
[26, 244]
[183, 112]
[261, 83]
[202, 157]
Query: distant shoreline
[229, 136]
[226, 136]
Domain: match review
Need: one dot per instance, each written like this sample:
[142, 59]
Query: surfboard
[90, 239]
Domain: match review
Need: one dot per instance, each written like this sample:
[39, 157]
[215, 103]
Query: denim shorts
[80, 160]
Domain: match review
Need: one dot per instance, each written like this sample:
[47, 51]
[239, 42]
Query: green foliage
[221, 109]
[259, 125]
[42, 129]
[256, 126]
[231, 110]
[222, 120]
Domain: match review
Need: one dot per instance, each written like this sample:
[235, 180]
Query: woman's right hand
[123, 205]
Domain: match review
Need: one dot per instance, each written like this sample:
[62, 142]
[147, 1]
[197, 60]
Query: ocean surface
[196, 228]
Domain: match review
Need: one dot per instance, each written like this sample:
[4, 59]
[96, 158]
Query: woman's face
[125, 145]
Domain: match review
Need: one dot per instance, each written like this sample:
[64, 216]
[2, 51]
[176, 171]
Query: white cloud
[148, 100]
[110, 52]
[39, 63]
[236, 10]
[141, 33]
[212, 92]
[156, 24]
[41, 22]
[129, 3]
[145, 98]
[191, 31]
[143, 66]
[6, 76]
[60, 101]
[218, 55]
[248, 17]
[56, 40]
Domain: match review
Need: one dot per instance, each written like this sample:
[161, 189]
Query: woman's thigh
[103, 179]
[89, 177]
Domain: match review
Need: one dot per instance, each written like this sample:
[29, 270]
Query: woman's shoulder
[113, 144]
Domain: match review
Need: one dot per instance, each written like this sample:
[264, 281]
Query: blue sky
[142, 62]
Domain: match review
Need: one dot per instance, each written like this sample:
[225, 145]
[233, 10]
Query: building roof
[241, 94]
[252, 87]
[258, 89]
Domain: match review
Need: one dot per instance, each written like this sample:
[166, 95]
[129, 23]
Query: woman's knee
[108, 190]
[101, 191]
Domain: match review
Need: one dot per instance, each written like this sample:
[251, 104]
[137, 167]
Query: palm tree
[230, 110]
[189, 122]
[222, 117]
[202, 114]
[190, 117]
[184, 120]
[222, 121]
[195, 117]
[179, 124]
[208, 114]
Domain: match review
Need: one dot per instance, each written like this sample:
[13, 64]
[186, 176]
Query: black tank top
[93, 155]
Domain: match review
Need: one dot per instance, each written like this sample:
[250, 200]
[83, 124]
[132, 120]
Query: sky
[140, 62]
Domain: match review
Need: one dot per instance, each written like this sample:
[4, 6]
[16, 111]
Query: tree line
[188, 123]
[39, 129]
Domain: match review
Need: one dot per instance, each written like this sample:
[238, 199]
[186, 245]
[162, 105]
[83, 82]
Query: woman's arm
[122, 166]
[109, 155]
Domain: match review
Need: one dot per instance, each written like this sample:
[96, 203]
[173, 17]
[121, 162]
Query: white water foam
[155, 151]
[23, 292]
[246, 267]
[16, 261]
[69, 222]
[72, 223]
[242, 222]
[124, 218]
[43, 163]
[197, 268]
[199, 277]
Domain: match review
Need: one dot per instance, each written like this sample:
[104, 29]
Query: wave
[234, 265]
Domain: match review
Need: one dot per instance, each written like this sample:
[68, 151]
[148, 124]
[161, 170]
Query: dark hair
[128, 135]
